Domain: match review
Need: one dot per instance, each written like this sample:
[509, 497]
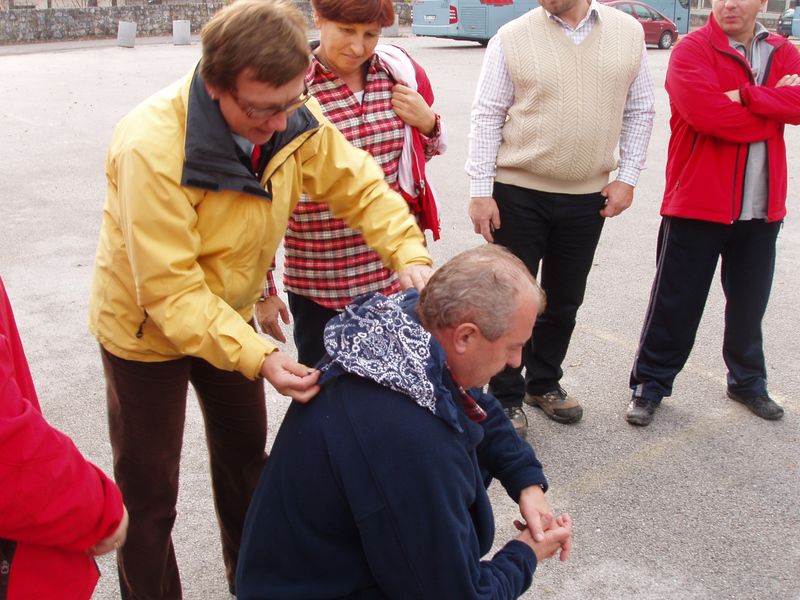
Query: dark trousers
[687, 255]
[560, 231]
[146, 413]
[309, 319]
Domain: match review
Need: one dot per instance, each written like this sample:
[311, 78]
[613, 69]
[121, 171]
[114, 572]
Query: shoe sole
[638, 422]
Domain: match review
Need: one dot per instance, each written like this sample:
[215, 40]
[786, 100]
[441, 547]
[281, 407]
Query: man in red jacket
[57, 510]
[732, 87]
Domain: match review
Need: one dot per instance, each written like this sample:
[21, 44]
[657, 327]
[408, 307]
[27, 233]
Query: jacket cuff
[744, 95]
[524, 558]
[410, 254]
[525, 550]
[519, 481]
[436, 132]
[113, 506]
[252, 358]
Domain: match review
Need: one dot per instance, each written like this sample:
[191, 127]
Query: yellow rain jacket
[188, 232]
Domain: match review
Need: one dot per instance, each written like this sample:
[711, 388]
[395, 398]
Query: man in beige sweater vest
[560, 89]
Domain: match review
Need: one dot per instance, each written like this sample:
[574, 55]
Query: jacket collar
[381, 339]
[211, 156]
[720, 41]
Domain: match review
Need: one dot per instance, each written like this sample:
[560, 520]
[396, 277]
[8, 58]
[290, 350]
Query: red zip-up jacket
[53, 503]
[711, 134]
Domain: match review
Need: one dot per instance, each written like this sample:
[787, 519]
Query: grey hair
[479, 286]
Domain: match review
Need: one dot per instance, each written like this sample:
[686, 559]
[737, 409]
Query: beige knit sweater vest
[564, 125]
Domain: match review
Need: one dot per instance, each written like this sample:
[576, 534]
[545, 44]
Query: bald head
[483, 286]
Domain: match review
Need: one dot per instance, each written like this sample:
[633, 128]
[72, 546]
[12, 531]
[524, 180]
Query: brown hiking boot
[557, 405]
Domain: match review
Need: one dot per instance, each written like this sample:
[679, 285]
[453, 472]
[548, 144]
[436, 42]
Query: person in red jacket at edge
[732, 87]
[57, 510]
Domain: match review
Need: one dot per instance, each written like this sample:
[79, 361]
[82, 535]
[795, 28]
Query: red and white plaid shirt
[325, 260]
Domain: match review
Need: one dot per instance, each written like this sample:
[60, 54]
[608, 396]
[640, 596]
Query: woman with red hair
[380, 99]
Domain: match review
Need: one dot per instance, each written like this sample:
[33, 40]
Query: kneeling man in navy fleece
[377, 488]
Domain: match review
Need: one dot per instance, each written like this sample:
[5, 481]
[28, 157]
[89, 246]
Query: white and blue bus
[476, 20]
[479, 20]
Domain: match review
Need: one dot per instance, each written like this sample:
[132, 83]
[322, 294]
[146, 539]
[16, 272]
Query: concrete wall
[22, 25]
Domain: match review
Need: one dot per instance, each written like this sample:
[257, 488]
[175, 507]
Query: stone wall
[22, 25]
[58, 24]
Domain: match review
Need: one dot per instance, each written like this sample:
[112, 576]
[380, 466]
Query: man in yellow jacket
[202, 178]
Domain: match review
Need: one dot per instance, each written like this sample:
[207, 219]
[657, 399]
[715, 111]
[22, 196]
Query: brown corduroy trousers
[146, 414]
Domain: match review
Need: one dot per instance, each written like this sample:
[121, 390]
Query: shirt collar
[760, 34]
[243, 143]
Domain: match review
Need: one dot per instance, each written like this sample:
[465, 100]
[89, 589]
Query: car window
[642, 13]
[626, 8]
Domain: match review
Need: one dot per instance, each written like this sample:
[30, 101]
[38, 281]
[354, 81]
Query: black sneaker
[763, 406]
[640, 411]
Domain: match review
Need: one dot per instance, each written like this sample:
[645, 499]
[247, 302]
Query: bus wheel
[665, 41]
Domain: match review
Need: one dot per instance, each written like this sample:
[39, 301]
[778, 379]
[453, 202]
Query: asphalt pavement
[703, 504]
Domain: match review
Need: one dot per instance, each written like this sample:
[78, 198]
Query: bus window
[476, 20]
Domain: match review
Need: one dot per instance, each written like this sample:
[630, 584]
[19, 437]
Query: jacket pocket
[686, 163]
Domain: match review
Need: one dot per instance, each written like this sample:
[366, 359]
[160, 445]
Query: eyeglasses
[266, 113]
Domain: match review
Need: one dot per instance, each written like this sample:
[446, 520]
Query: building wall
[35, 23]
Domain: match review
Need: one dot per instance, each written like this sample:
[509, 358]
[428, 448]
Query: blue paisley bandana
[375, 338]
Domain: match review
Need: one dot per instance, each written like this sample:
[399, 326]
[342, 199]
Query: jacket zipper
[268, 173]
[301, 139]
[735, 176]
[140, 331]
